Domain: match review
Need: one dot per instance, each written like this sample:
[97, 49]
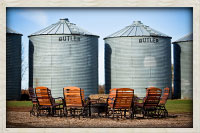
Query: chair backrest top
[73, 96]
[43, 96]
[112, 92]
[124, 98]
[154, 91]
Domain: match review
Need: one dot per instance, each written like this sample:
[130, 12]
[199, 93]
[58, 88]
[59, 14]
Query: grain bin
[183, 67]
[13, 64]
[137, 57]
[61, 55]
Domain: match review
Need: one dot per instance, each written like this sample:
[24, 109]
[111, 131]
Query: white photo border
[195, 4]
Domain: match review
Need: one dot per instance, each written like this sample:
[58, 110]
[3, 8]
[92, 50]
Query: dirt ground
[20, 118]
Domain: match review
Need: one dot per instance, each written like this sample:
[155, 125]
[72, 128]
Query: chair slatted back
[43, 95]
[111, 97]
[73, 96]
[164, 97]
[153, 97]
[124, 98]
[32, 95]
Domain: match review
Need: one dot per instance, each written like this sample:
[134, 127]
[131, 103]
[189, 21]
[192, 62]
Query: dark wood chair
[33, 98]
[149, 106]
[46, 102]
[162, 111]
[120, 102]
[74, 101]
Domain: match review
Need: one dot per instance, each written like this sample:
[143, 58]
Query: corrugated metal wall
[135, 65]
[13, 66]
[183, 69]
[57, 64]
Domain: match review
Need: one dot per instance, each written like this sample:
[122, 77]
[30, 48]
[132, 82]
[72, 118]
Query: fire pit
[98, 106]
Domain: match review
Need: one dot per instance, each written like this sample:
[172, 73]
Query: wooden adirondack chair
[162, 111]
[74, 101]
[150, 103]
[121, 102]
[33, 98]
[47, 102]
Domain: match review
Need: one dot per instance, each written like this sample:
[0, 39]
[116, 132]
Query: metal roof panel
[11, 31]
[188, 37]
[137, 29]
[62, 27]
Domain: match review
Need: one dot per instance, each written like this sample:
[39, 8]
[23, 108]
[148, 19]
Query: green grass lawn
[179, 106]
[18, 103]
[173, 106]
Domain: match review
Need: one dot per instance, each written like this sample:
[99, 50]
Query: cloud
[36, 16]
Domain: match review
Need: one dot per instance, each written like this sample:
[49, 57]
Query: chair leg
[65, 111]
[53, 111]
[113, 113]
[144, 113]
[121, 113]
[165, 112]
[38, 112]
[125, 113]
[74, 113]
[133, 112]
[79, 115]
[70, 110]
[31, 110]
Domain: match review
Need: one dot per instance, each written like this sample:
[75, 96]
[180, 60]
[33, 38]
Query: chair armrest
[86, 102]
[58, 98]
[112, 99]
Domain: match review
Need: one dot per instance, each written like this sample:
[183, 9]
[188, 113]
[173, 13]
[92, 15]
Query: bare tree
[101, 89]
[24, 63]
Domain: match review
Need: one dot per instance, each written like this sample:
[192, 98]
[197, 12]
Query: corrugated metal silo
[183, 67]
[13, 64]
[62, 55]
[137, 57]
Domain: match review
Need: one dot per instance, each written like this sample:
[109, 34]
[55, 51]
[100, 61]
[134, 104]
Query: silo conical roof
[63, 26]
[188, 37]
[10, 31]
[136, 29]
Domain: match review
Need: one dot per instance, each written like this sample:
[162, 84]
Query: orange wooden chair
[120, 102]
[47, 102]
[74, 101]
[162, 111]
[150, 103]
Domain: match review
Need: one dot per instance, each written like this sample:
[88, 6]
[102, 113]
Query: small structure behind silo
[183, 67]
[137, 57]
[61, 55]
[13, 64]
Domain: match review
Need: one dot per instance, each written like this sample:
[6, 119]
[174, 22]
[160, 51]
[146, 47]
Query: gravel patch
[24, 120]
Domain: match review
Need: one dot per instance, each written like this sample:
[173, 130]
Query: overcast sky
[174, 22]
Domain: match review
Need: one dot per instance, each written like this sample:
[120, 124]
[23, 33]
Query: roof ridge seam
[53, 28]
[68, 27]
[58, 28]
